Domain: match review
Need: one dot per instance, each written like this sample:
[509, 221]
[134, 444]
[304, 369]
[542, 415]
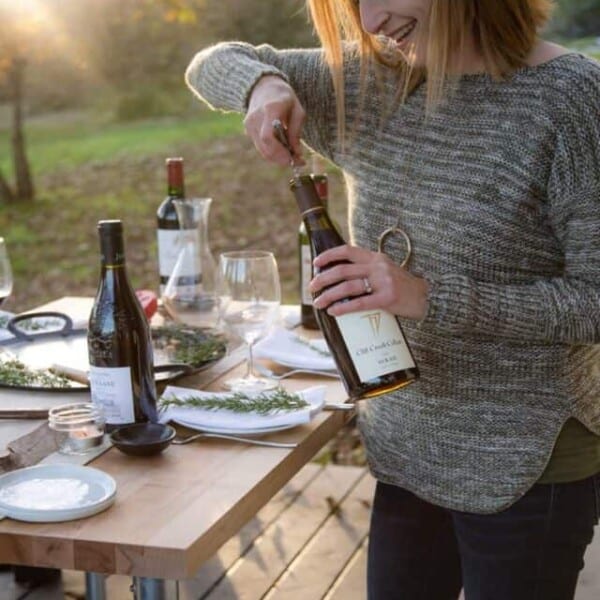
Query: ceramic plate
[51, 493]
[229, 431]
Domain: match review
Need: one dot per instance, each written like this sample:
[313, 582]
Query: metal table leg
[148, 588]
[95, 588]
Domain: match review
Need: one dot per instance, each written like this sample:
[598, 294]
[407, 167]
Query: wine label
[375, 343]
[305, 273]
[171, 244]
[111, 390]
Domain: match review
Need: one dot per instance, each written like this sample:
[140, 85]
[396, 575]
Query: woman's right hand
[273, 98]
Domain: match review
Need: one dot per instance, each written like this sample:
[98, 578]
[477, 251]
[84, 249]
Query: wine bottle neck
[306, 194]
[112, 252]
[175, 185]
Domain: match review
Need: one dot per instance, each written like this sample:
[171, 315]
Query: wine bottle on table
[119, 340]
[307, 313]
[369, 347]
[168, 228]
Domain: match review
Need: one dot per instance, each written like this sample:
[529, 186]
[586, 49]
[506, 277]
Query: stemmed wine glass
[6, 276]
[249, 299]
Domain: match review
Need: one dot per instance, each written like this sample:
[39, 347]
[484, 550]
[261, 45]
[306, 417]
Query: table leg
[148, 588]
[95, 588]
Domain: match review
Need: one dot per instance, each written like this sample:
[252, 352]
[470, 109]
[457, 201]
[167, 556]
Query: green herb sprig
[15, 373]
[189, 346]
[263, 404]
[308, 343]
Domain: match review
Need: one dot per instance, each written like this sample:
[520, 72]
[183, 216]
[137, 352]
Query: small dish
[142, 439]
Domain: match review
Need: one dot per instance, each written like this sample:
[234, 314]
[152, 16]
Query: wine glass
[249, 299]
[6, 276]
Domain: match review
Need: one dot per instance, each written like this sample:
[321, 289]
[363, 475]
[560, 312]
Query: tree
[18, 30]
[577, 18]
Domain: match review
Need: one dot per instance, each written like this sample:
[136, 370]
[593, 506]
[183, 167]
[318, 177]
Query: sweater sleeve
[224, 75]
[564, 309]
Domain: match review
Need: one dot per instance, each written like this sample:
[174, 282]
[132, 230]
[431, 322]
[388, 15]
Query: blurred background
[92, 101]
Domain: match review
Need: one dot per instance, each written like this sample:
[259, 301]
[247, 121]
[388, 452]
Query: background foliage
[104, 103]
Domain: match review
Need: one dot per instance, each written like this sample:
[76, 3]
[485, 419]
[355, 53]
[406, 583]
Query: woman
[455, 122]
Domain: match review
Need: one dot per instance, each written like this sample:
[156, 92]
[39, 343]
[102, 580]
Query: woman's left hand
[393, 288]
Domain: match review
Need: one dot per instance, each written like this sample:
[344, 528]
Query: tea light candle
[78, 427]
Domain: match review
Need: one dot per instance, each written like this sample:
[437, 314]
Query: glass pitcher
[190, 294]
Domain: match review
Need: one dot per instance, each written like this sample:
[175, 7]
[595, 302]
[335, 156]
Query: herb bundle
[188, 345]
[278, 401]
[16, 374]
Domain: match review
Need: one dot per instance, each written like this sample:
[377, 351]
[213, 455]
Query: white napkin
[289, 349]
[232, 421]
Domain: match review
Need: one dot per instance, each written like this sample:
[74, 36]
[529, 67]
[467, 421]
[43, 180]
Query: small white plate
[51, 493]
[228, 431]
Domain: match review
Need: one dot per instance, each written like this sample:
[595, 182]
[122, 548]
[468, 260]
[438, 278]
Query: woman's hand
[272, 98]
[393, 288]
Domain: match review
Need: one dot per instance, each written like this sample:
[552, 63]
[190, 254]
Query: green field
[56, 143]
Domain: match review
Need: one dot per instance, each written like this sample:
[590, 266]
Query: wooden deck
[308, 543]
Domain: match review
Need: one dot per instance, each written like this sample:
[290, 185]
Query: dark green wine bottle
[369, 347]
[307, 312]
[119, 340]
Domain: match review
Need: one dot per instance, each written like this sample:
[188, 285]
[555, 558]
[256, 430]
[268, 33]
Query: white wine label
[375, 343]
[111, 390]
[305, 273]
[178, 245]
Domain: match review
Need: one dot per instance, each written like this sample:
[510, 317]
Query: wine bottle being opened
[168, 228]
[307, 314]
[369, 347]
[119, 341]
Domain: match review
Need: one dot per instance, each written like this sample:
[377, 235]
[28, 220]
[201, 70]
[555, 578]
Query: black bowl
[142, 439]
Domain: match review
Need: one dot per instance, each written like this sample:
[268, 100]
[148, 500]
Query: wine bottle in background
[168, 226]
[307, 313]
[369, 347]
[119, 341]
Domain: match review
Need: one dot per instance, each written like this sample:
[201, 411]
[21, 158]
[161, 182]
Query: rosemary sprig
[308, 343]
[263, 404]
[186, 345]
[15, 373]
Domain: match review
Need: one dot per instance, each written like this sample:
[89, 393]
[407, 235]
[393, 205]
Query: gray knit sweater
[499, 191]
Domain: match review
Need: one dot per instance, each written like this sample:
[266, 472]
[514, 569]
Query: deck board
[252, 575]
[317, 567]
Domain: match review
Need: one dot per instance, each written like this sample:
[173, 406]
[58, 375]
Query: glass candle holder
[79, 428]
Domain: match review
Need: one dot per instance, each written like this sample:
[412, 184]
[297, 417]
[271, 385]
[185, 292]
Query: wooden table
[174, 510]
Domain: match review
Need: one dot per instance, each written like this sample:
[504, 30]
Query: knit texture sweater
[499, 191]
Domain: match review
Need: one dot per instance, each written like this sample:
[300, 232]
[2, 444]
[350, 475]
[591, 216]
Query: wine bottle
[119, 341]
[307, 313]
[169, 229]
[369, 347]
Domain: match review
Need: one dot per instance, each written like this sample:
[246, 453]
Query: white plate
[51, 493]
[221, 421]
[223, 431]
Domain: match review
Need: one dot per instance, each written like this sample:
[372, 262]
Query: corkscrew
[282, 138]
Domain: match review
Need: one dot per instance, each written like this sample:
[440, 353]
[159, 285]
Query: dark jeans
[533, 550]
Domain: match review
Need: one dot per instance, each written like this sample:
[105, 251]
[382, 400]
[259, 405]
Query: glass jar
[79, 428]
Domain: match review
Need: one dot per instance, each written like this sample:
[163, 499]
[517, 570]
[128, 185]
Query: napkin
[290, 349]
[228, 420]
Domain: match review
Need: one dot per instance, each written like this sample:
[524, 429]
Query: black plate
[179, 350]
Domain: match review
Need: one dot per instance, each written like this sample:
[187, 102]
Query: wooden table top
[174, 510]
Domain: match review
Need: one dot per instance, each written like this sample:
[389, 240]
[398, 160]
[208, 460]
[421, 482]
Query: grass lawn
[84, 138]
